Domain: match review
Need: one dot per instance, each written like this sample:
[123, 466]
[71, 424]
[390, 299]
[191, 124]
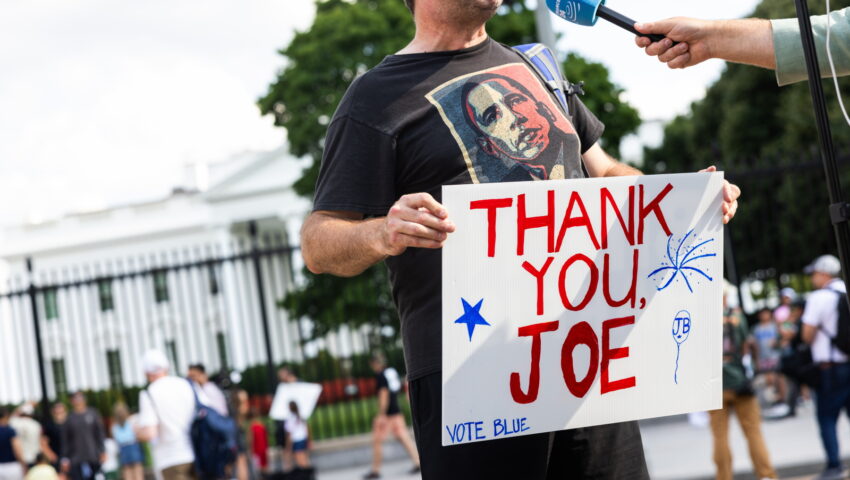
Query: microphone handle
[625, 22]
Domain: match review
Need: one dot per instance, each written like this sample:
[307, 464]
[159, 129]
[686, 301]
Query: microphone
[586, 12]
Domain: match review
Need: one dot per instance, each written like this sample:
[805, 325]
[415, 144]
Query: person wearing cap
[820, 324]
[166, 411]
[82, 437]
[29, 432]
[783, 311]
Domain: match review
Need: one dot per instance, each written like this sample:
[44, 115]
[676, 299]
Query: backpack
[213, 440]
[841, 340]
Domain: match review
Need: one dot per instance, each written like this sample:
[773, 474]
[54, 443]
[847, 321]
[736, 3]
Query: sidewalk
[676, 450]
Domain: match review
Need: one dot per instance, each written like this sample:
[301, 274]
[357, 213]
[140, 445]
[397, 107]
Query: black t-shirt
[382, 382]
[419, 121]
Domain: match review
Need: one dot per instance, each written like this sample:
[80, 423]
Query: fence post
[32, 290]
[261, 296]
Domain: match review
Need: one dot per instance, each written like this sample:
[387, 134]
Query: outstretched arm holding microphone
[773, 44]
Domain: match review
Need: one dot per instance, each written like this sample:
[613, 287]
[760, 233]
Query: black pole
[32, 291]
[261, 296]
[839, 210]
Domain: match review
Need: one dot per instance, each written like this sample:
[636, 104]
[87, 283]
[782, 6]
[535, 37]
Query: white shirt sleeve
[814, 313]
[147, 415]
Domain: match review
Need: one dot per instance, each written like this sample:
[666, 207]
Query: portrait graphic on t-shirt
[507, 126]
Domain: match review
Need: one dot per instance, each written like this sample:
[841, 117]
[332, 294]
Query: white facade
[187, 317]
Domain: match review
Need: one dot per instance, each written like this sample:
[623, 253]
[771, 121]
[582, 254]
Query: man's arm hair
[600, 164]
[341, 243]
[345, 244]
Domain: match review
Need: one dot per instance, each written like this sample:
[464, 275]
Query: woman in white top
[299, 437]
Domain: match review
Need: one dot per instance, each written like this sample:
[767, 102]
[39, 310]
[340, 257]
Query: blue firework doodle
[681, 264]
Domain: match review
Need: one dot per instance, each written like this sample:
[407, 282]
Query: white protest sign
[570, 303]
[304, 394]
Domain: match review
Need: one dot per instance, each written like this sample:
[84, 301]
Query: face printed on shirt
[511, 122]
[508, 126]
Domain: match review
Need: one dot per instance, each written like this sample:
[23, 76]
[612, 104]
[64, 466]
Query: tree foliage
[347, 38]
[764, 137]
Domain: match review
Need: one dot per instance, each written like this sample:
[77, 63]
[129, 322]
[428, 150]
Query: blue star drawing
[680, 264]
[471, 316]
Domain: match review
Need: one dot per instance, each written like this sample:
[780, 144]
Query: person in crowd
[12, 464]
[42, 470]
[259, 441]
[401, 132]
[389, 417]
[772, 44]
[790, 337]
[767, 340]
[738, 396]
[130, 454]
[217, 400]
[786, 298]
[82, 439]
[166, 411]
[29, 432]
[820, 324]
[299, 437]
[52, 439]
[241, 408]
[284, 376]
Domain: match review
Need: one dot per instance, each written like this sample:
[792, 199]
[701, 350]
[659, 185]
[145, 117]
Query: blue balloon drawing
[682, 264]
[681, 331]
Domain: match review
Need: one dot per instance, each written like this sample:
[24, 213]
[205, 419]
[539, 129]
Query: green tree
[764, 137]
[347, 38]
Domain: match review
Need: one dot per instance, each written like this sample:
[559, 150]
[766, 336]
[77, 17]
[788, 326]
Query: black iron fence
[87, 327]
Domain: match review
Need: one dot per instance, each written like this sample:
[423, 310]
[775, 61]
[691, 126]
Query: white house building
[168, 274]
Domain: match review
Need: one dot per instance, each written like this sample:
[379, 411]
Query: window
[213, 279]
[221, 341]
[104, 294]
[60, 382]
[51, 306]
[160, 286]
[113, 364]
[171, 351]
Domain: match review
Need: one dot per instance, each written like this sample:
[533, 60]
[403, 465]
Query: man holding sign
[445, 110]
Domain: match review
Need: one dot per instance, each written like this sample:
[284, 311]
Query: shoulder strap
[195, 393]
[541, 59]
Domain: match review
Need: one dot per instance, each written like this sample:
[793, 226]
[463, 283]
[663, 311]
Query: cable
[832, 64]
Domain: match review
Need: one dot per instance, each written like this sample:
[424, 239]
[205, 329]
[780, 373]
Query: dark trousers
[605, 452]
[833, 394]
[84, 470]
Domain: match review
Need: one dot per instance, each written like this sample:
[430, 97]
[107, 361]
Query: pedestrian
[82, 439]
[42, 470]
[738, 396]
[166, 412]
[130, 454]
[241, 407]
[53, 435]
[12, 464]
[259, 441]
[285, 376]
[791, 331]
[773, 44]
[299, 438]
[766, 337]
[786, 298]
[216, 398]
[454, 107]
[29, 432]
[389, 417]
[820, 325]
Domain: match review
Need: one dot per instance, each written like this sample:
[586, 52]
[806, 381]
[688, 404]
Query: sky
[103, 102]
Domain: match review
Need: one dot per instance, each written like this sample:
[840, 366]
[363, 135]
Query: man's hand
[748, 41]
[415, 220]
[731, 192]
[693, 36]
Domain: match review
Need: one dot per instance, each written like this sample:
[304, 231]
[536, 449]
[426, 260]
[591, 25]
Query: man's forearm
[339, 246]
[620, 169]
[748, 40]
